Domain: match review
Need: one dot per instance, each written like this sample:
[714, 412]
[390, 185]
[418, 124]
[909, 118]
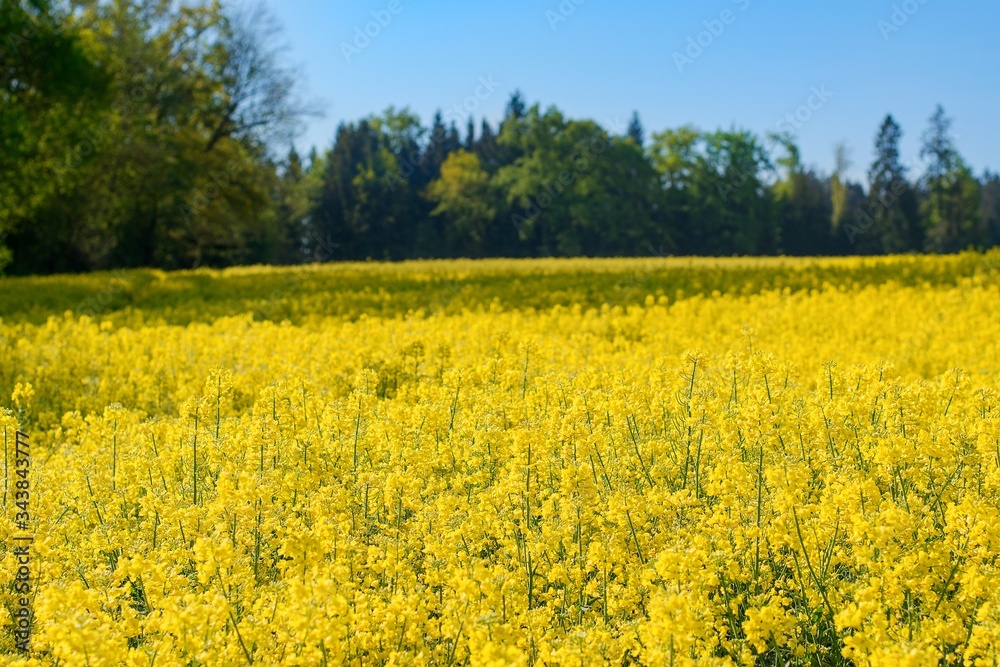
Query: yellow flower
[777, 462]
[23, 392]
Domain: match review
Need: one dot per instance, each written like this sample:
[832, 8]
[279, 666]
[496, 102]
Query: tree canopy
[157, 133]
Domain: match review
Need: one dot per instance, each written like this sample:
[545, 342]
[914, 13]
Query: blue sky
[759, 60]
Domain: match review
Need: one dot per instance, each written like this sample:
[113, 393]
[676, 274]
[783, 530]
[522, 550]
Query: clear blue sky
[607, 59]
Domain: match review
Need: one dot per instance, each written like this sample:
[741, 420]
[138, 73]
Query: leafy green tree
[170, 165]
[839, 186]
[888, 223]
[470, 135]
[675, 155]
[366, 203]
[486, 148]
[635, 131]
[951, 206]
[802, 205]
[462, 196]
[714, 191]
[516, 107]
[435, 152]
[735, 214]
[283, 235]
[991, 206]
[954, 216]
[574, 189]
[52, 85]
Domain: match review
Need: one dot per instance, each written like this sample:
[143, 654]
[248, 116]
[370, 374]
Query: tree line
[146, 133]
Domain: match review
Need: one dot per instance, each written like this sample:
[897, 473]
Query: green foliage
[160, 158]
[839, 186]
[51, 87]
[951, 206]
[574, 189]
[990, 207]
[716, 184]
[351, 290]
[462, 194]
[889, 222]
[803, 204]
[146, 133]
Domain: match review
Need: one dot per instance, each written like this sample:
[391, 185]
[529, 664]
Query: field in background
[447, 286]
[659, 461]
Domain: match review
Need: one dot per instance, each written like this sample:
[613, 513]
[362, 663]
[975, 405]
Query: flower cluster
[782, 477]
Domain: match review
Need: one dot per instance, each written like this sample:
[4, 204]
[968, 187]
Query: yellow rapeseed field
[552, 462]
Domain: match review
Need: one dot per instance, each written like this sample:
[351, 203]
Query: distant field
[443, 286]
[541, 462]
